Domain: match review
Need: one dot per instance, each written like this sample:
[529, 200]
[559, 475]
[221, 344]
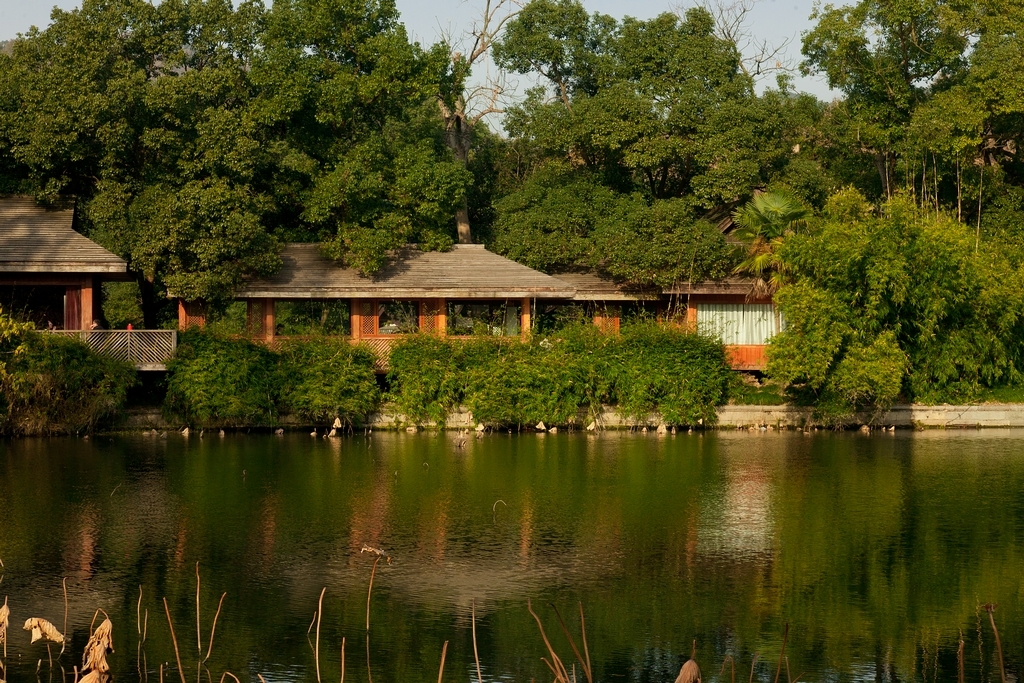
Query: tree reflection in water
[878, 550]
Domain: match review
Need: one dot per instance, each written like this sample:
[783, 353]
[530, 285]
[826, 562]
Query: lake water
[878, 551]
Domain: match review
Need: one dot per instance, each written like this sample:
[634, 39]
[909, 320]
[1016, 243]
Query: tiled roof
[34, 239]
[466, 271]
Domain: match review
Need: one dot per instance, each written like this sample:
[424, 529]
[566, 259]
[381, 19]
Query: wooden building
[723, 308]
[469, 290]
[459, 292]
[49, 273]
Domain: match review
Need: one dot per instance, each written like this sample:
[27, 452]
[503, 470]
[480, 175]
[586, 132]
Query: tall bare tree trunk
[459, 138]
[462, 223]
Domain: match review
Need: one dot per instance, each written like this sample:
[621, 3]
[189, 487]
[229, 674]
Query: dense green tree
[897, 301]
[653, 134]
[198, 136]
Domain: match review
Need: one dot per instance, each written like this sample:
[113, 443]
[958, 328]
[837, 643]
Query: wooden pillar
[73, 308]
[442, 317]
[691, 316]
[355, 318]
[525, 321]
[269, 319]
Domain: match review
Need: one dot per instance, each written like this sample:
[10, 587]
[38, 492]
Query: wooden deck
[145, 349]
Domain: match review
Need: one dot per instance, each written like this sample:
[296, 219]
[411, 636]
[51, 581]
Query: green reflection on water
[877, 550]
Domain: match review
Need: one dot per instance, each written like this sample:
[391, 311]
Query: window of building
[497, 318]
[312, 317]
[398, 317]
[739, 324]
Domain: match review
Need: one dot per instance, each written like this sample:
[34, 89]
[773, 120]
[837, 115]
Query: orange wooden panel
[747, 357]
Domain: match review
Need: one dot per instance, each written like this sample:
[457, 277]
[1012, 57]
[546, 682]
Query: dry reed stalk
[960, 659]
[583, 631]
[199, 636]
[228, 673]
[728, 660]
[174, 639]
[476, 655]
[753, 663]
[444, 651]
[209, 645]
[161, 673]
[343, 659]
[785, 637]
[369, 674]
[990, 608]
[138, 613]
[319, 613]
[379, 553]
[585, 665]
[64, 585]
[555, 664]
[788, 677]
[370, 592]
[260, 676]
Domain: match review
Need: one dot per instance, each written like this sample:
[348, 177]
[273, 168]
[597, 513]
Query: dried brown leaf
[690, 673]
[41, 629]
[94, 677]
[5, 618]
[100, 643]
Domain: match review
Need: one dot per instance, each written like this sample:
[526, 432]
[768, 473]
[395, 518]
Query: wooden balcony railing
[145, 349]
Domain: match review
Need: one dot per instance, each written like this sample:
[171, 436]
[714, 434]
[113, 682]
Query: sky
[427, 20]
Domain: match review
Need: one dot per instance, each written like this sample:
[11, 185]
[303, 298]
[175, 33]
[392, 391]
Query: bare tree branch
[758, 57]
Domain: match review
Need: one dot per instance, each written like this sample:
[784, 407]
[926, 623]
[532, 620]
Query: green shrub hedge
[648, 368]
[55, 385]
[217, 380]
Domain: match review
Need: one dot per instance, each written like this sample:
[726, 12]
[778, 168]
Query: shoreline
[983, 416]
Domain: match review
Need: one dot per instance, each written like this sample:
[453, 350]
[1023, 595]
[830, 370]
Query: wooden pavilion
[450, 293]
[48, 271]
[469, 290]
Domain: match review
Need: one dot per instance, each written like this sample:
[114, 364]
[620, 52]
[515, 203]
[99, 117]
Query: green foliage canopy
[901, 302]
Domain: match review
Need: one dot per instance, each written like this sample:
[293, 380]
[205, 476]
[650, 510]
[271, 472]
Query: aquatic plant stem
[782, 653]
[583, 631]
[572, 643]
[319, 613]
[728, 660]
[369, 674]
[440, 672]
[213, 630]
[476, 655]
[64, 585]
[753, 663]
[369, 592]
[555, 664]
[199, 635]
[990, 608]
[960, 659]
[174, 639]
[138, 613]
[343, 659]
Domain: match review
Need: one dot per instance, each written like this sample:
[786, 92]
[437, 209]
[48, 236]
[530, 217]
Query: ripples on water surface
[878, 550]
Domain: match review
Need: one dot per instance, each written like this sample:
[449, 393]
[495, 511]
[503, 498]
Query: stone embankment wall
[904, 416]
